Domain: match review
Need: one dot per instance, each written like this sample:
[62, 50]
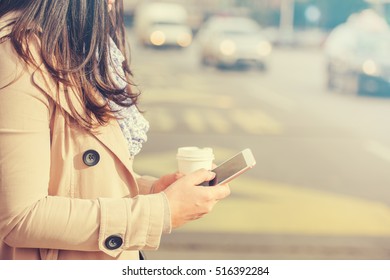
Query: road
[320, 188]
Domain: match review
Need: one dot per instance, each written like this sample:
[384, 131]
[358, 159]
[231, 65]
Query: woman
[69, 131]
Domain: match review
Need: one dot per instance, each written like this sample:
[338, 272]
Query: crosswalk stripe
[192, 98]
[161, 119]
[256, 122]
[200, 121]
[195, 120]
[218, 122]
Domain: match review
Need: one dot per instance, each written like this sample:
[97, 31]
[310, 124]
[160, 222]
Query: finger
[179, 175]
[199, 176]
[168, 179]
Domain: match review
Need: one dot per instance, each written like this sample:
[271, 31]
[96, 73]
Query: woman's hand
[165, 181]
[189, 201]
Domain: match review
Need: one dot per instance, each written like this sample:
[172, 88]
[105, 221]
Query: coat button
[113, 242]
[91, 157]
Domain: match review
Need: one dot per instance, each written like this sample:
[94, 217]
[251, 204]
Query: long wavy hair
[74, 46]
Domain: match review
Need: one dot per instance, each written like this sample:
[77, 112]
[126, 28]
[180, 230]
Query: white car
[162, 24]
[357, 56]
[233, 41]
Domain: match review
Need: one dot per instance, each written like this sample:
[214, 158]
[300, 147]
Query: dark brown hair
[71, 34]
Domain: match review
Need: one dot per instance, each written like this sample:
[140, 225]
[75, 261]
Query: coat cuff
[167, 227]
[131, 223]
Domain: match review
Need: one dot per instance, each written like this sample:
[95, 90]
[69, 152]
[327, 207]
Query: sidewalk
[233, 246]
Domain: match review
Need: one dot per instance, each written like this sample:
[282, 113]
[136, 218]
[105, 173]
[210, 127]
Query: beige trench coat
[65, 193]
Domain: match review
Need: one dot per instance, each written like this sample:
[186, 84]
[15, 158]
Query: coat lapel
[109, 135]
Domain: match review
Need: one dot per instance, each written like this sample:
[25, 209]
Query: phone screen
[227, 169]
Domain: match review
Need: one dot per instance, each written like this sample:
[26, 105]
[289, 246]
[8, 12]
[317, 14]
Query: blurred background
[305, 85]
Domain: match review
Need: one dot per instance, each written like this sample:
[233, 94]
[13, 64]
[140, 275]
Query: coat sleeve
[29, 217]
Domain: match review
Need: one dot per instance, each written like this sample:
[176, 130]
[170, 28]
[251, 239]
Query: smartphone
[231, 168]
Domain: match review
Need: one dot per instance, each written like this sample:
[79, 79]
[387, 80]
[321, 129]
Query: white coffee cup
[190, 159]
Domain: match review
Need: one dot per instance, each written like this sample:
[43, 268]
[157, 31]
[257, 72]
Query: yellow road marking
[257, 206]
[270, 207]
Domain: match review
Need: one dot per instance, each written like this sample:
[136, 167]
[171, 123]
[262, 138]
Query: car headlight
[370, 68]
[157, 38]
[184, 40]
[264, 48]
[227, 47]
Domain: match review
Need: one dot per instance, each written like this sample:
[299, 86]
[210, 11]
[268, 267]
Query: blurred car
[358, 56]
[162, 24]
[233, 41]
